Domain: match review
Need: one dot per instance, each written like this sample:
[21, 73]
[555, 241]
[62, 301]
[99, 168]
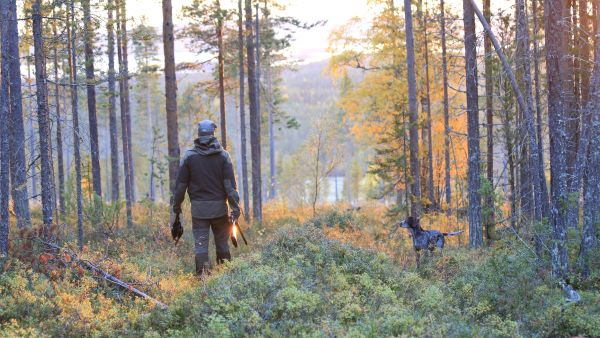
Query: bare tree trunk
[4, 130]
[270, 112]
[18, 171]
[258, 118]
[170, 92]
[59, 140]
[123, 98]
[125, 94]
[221, 59]
[43, 114]
[112, 104]
[88, 32]
[538, 105]
[245, 193]
[448, 187]
[475, 229]
[557, 117]
[152, 137]
[426, 103]
[503, 89]
[571, 99]
[591, 214]
[71, 30]
[415, 207]
[31, 138]
[254, 114]
[489, 114]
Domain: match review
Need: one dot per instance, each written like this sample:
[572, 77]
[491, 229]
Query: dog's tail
[453, 233]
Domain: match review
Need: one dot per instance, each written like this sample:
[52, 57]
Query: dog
[425, 239]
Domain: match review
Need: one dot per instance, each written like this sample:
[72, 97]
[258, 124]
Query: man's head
[206, 128]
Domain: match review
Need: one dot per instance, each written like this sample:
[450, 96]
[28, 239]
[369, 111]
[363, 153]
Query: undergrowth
[343, 273]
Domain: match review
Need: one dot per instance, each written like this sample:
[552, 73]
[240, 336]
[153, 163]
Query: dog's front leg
[418, 257]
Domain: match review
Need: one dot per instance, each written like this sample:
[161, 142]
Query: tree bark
[125, 95]
[538, 105]
[254, 114]
[245, 193]
[221, 60]
[448, 187]
[557, 116]
[31, 137]
[112, 104]
[123, 103]
[170, 92]
[71, 31]
[591, 200]
[59, 141]
[88, 38]
[258, 118]
[489, 114]
[270, 112]
[18, 171]
[4, 130]
[426, 103]
[415, 202]
[475, 229]
[47, 178]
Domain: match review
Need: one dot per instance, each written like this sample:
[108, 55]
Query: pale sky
[309, 45]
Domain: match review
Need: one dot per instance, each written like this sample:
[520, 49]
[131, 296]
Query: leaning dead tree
[527, 109]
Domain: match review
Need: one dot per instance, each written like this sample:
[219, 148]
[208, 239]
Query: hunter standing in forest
[206, 172]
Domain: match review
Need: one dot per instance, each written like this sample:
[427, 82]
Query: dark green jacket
[206, 173]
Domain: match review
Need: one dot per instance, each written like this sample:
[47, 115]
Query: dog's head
[410, 222]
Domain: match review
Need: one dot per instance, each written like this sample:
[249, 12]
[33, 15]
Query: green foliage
[297, 280]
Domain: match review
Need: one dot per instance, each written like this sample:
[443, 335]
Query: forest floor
[342, 273]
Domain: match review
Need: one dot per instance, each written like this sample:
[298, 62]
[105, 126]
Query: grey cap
[206, 127]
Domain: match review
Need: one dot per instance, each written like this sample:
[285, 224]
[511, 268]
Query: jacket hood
[207, 145]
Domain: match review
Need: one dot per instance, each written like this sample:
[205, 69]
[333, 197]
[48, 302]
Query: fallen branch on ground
[98, 272]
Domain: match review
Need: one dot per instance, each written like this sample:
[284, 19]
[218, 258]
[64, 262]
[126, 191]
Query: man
[206, 173]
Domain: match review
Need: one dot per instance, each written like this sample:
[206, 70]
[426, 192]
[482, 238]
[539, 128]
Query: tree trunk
[18, 166]
[448, 187]
[4, 130]
[557, 117]
[123, 102]
[591, 200]
[170, 92]
[426, 103]
[475, 229]
[489, 114]
[31, 137]
[538, 106]
[254, 114]
[71, 30]
[245, 193]
[415, 202]
[221, 77]
[59, 140]
[258, 118]
[571, 101]
[88, 32]
[125, 95]
[43, 114]
[112, 104]
[270, 111]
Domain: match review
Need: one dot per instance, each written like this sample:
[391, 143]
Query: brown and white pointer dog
[425, 239]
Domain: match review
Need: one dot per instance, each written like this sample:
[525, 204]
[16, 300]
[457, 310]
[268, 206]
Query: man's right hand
[234, 216]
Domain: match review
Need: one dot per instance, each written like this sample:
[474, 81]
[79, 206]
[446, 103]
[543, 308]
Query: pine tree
[43, 114]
